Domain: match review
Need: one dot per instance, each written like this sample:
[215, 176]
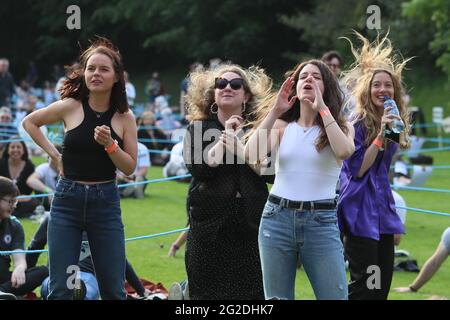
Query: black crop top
[83, 158]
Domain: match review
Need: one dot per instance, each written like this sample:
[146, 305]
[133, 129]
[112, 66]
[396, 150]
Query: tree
[438, 12]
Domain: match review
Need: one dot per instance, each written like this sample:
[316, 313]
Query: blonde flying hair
[200, 96]
[371, 59]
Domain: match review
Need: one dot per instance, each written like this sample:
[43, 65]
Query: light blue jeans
[285, 235]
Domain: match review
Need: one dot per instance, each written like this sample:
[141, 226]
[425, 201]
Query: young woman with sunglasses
[299, 219]
[226, 196]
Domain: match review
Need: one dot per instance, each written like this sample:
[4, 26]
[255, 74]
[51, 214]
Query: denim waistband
[327, 204]
[100, 185]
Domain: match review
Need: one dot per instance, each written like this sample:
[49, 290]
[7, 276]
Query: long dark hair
[332, 96]
[5, 155]
[75, 86]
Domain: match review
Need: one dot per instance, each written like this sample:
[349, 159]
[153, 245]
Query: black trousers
[366, 283]
[33, 278]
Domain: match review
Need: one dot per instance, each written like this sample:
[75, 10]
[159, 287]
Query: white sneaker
[175, 292]
[7, 296]
[186, 292]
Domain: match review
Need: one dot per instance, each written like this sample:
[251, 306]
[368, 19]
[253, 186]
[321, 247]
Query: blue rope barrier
[426, 150]
[160, 127]
[159, 151]
[421, 189]
[425, 125]
[126, 240]
[425, 211]
[411, 166]
[14, 140]
[159, 140]
[42, 195]
[437, 140]
[153, 181]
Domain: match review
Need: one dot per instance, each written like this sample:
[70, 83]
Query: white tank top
[302, 173]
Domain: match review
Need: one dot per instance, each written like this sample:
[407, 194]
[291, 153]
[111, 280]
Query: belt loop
[312, 206]
[282, 202]
[301, 206]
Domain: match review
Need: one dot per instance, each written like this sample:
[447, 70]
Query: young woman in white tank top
[308, 139]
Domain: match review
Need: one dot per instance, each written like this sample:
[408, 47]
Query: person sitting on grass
[87, 288]
[23, 279]
[431, 266]
[139, 174]
[44, 178]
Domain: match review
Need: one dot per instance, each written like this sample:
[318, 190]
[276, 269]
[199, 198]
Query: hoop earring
[211, 108]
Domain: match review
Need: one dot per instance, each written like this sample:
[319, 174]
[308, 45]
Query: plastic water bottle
[397, 125]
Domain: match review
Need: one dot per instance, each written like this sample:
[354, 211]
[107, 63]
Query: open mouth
[307, 87]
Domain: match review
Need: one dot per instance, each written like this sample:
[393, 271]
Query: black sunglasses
[235, 84]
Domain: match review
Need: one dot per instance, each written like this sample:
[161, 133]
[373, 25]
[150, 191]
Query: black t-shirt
[21, 181]
[12, 236]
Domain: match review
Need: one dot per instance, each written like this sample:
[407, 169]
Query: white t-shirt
[143, 158]
[131, 93]
[399, 201]
[47, 175]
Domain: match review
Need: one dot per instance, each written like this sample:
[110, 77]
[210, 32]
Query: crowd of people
[320, 139]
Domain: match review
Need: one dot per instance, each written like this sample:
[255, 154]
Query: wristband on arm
[112, 148]
[325, 112]
[377, 142]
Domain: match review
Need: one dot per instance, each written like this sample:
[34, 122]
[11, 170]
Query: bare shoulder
[280, 124]
[67, 105]
[127, 119]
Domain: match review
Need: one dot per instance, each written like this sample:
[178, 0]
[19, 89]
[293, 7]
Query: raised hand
[318, 104]
[233, 123]
[283, 103]
[387, 119]
[232, 143]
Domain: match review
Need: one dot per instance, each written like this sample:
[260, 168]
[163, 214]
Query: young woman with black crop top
[100, 137]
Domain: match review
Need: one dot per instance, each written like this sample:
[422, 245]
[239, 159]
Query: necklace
[306, 129]
[99, 114]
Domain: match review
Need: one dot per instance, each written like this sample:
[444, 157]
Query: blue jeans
[92, 292]
[95, 209]
[285, 235]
